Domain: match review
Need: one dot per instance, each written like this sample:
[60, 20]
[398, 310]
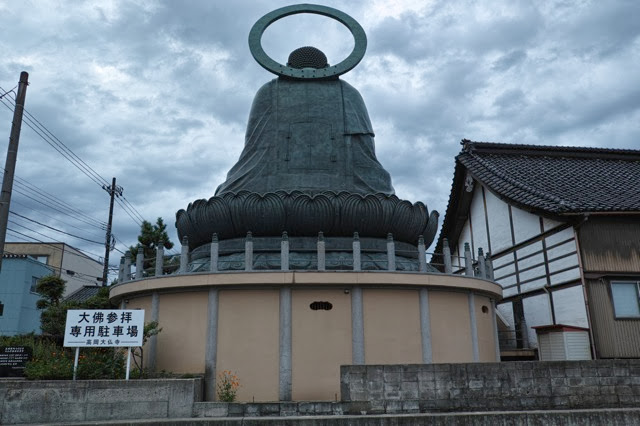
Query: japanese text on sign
[102, 328]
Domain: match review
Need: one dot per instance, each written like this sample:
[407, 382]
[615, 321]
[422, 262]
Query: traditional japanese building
[304, 259]
[562, 227]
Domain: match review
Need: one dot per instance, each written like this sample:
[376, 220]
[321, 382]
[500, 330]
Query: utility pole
[113, 190]
[12, 156]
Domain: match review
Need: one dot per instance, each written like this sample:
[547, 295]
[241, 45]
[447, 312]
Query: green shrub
[57, 364]
[101, 363]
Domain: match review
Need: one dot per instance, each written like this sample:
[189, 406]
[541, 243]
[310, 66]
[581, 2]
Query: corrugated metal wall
[614, 338]
[611, 244]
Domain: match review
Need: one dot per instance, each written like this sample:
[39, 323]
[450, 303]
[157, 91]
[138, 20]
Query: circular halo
[356, 55]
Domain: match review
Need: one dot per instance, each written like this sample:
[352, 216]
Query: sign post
[89, 328]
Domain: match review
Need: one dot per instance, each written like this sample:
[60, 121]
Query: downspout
[584, 285]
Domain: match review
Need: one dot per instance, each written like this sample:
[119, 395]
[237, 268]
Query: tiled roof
[550, 180]
[83, 293]
[557, 179]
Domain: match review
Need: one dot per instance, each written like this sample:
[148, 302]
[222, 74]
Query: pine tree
[150, 238]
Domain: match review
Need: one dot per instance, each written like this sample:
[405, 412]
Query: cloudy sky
[157, 93]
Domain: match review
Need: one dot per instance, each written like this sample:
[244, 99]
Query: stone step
[614, 417]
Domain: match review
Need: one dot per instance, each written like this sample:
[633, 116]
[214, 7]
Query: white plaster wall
[75, 261]
[537, 311]
[566, 262]
[504, 267]
[525, 224]
[479, 222]
[529, 260]
[465, 237]
[499, 226]
[569, 307]
[506, 309]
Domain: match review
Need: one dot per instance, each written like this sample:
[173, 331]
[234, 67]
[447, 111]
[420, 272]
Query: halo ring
[354, 58]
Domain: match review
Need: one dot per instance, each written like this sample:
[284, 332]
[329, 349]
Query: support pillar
[285, 344]
[468, 262]
[284, 252]
[248, 252]
[211, 351]
[357, 327]
[127, 266]
[153, 340]
[357, 265]
[425, 327]
[446, 255]
[474, 327]
[184, 256]
[159, 259]
[121, 270]
[422, 255]
[391, 253]
[494, 324]
[482, 267]
[321, 252]
[139, 262]
[215, 253]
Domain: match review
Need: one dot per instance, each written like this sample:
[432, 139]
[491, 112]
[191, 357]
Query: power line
[55, 229]
[84, 254]
[56, 219]
[69, 155]
[7, 92]
[137, 213]
[44, 204]
[70, 211]
[59, 146]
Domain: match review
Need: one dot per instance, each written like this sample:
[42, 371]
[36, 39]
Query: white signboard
[104, 328]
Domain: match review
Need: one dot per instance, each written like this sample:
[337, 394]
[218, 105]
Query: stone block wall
[53, 401]
[533, 385]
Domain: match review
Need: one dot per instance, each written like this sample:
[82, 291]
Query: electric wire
[84, 253]
[69, 155]
[56, 201]
[55, 229]
[59, 146]
[16, 202]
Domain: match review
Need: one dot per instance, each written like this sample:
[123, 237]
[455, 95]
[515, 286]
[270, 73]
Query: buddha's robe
[309, 136]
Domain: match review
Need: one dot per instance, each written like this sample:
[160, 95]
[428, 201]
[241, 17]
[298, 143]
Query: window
[34, 283]
[42, 258]
[626, 303]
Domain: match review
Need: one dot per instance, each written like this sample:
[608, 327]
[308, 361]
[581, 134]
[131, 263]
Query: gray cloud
[158, 93]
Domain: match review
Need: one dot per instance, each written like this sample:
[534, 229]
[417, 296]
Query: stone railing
[356, 255]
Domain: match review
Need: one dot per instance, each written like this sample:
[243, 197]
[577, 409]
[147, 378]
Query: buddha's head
[307, 57]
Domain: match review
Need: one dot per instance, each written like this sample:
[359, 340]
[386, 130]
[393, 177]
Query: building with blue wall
[18, 297]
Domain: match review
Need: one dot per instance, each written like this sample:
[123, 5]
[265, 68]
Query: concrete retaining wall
[508, 386]
[91, 400]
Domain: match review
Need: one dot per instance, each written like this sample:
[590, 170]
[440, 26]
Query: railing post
[215, 253]
[489, 267]
[357, 265]
[446, 255]
[321, 252]
[127, 266]
[159, 259]
[184, 255]
[422, 255]
[121, 270]
[248, 252]
[482, 267]
[284, 252]
[139, 262]
[468, 263]
[391, 253]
